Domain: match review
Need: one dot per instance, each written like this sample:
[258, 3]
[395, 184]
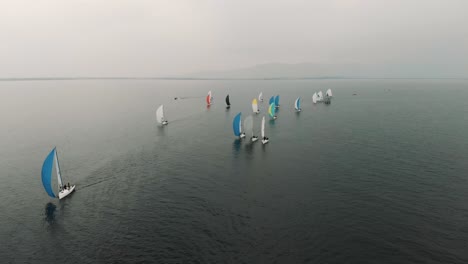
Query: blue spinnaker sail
[277, 100]
[236, 125]
[47, 173]
[272, 100]
[298, 103]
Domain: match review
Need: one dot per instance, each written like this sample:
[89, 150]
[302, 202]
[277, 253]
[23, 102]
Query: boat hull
[264, 141]
[66, 192]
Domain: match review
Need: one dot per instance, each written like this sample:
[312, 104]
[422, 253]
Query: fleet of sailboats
[64, 190]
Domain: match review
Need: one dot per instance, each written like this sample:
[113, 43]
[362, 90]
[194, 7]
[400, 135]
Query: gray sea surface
[376, 177]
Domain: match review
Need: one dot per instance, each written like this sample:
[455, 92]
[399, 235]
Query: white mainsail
[263, 127]
[248, 124]
[160, 114]
[57, 168]
[320, 96]
[314, 98]
[329, 93]
[260, 97]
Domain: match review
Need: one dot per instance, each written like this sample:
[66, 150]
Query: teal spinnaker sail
[272, 100]
[236, 125]
[47, 173]
[277, 101]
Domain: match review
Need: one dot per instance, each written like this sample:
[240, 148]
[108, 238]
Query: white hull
[242, 135]
[298, 110]
[165, 123]
[66, 192]
[254, 139]
[264, 141]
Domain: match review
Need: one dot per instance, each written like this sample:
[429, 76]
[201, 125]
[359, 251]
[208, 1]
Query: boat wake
[82, 187]
[188, 97]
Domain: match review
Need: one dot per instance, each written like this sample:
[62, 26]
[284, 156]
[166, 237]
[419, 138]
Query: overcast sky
[156, 38]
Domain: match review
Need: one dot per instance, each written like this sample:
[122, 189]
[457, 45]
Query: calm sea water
[379, 177]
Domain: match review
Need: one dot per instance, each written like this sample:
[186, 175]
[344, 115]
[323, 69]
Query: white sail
[255, 105]
[57, 168]
[263, 127]
[329, 93]
[320, 96]
[296, 104]
[314, 98]
[260, 97]
[248, 124]
[160, 114]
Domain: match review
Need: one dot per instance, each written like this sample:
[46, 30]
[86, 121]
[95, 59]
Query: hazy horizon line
[221, 78]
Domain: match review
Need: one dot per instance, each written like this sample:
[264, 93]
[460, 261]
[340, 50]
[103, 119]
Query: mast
[162, 113]
[263, 127]
[57, 166]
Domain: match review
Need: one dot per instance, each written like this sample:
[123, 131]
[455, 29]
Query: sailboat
[237, 126]
[297, 104]
[255, 106]
[319, 96]
[328, 96]
[277, 101]
[160, 115]
[264, 138]
[228, 104]
[272, 111]
[260, 97]
[209, 99]
[272, 100]
[47, 169]
[248, 126]
[314, 98]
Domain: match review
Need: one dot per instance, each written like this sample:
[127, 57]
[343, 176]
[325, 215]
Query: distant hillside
[310, 70]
